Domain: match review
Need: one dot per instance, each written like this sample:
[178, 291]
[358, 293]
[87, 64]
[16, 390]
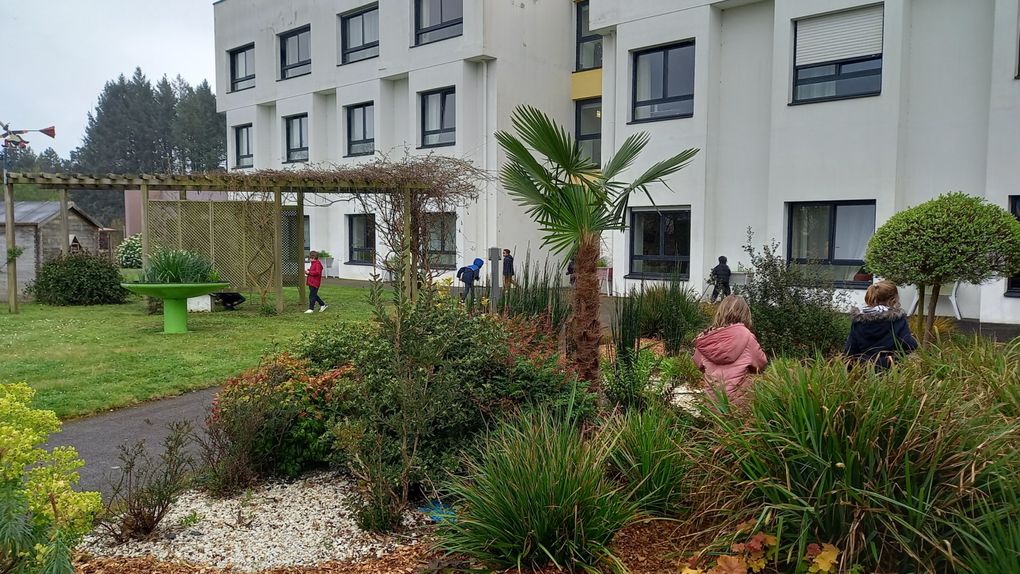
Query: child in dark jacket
[879, 331]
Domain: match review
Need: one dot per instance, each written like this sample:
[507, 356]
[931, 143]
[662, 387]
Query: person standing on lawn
[879, 332]
[728, 353]
[313, 278]
[508, 268]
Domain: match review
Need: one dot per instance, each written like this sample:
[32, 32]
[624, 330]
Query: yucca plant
[179, 266]
[574, 203]
[648, 459]
[537, 493]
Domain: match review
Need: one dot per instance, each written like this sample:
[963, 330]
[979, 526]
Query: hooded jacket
[877, 334]
[728, 356]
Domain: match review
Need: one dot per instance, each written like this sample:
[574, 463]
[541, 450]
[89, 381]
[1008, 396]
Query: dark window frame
[635, 104]
[284, 66]
[830, 260]
[631, 257]
[351, 142]
[578, 136]
[420, 31]
[1013, 283]
[289, 150]
[581, 39]
[838, 75]
[442, 93]
[234, 80]
[237, 147]
[346, 50]
[445, 249]
[353, 252]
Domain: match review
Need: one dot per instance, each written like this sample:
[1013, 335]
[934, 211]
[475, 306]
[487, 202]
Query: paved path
[98, 438]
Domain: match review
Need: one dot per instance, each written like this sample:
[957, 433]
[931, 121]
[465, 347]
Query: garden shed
[39, 233]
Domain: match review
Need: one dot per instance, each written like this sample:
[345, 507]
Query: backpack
[466, 274]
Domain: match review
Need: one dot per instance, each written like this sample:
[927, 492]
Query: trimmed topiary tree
[954, 237]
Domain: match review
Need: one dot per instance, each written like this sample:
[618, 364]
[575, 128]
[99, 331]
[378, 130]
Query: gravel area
[276, 525]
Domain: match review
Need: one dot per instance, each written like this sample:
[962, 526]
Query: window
[361, 129]
[660, 243]
[361, 238]
[838, 56]
[589, 46]
[588, 124]
[296, 53]
[664, 83]
[442, 240]
[436, 20]
[359, 35]
[242, 146]
[1013, 285]
[297, 138]
[832, 237]
[242, 68]
[438, 118]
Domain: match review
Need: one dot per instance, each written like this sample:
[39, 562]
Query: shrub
[147, 487]
[885, 467]
[42, 517]
[795, 310]
[129, 252]
[537, 493]
[178, 266]
[78, 279]
[647, 457]
[670, 311]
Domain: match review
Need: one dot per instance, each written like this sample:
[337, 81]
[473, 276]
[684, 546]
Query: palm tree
[574, 202]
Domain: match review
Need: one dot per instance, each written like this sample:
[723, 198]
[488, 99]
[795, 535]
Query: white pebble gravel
[298, 523]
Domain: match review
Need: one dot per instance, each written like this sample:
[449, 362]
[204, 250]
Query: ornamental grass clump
[179, 266]
[648, 459]
[536, 494]
[885, 466]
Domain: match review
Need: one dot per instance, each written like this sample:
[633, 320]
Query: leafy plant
[147, 487]
[574, 202]
[129, 252]
[13, 253]
[537, 293]
[42, 517]
[647, 457]
[671, 311]
[536, 493]
[78, 279]
[995, 546]
[954, 237]
[178, 266]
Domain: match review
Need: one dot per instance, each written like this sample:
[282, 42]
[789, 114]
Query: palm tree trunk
[585, 324]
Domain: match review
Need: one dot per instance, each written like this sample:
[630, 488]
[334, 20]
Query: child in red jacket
[313, 278]
[728, 353]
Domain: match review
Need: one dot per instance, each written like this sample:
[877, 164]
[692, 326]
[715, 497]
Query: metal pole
[65, 228]
[12, 263]
[302, 295]
[278, 246]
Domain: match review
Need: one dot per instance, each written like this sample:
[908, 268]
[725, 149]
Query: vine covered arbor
[251, 224]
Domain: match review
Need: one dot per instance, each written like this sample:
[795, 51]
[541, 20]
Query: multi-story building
[816, 120]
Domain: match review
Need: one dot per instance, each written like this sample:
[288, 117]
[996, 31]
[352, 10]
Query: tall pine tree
[199, 130]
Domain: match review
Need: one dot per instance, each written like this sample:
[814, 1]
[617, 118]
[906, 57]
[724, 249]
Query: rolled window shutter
[838, 36]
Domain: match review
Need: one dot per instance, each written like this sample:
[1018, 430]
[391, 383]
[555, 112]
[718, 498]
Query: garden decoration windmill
[12, 139]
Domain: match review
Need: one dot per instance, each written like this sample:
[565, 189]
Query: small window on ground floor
[442, 229]
[361, 238]
[831, 237]
[660, 245]
[1013, 285]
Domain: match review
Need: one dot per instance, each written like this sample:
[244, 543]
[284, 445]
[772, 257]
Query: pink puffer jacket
[728, 356]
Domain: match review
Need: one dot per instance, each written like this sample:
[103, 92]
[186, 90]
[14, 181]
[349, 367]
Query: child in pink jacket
[728, 352]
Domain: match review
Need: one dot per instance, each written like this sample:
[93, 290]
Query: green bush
[177, 266]
[670, 311]
[129, 252]
[42, 517]
[78, 279]
[537, 493]
[887, 467]
[795, 310]
[647, 457]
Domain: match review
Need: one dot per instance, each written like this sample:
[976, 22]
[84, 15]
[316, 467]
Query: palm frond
[548, 138]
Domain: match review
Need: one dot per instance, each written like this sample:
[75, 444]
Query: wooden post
[212, 234]
[278, 246]
[145, 225]
[12, 264]
[65, 228]
[302, 295]
[409, 271]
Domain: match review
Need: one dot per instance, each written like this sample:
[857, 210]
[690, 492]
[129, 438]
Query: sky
[58, 54]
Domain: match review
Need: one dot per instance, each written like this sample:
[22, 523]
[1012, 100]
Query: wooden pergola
[338, 181]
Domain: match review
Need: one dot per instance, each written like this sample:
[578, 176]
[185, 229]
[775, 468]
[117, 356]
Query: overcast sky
[57, 54]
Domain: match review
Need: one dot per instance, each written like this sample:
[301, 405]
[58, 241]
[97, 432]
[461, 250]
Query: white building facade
[816, 119]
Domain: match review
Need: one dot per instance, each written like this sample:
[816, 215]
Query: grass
[81, 360]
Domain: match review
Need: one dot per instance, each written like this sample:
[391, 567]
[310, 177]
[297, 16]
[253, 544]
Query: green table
[175, 299]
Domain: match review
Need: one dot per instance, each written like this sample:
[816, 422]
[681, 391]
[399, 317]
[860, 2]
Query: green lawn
[82, 360]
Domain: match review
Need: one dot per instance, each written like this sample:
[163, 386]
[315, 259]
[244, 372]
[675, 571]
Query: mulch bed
[645, 548]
